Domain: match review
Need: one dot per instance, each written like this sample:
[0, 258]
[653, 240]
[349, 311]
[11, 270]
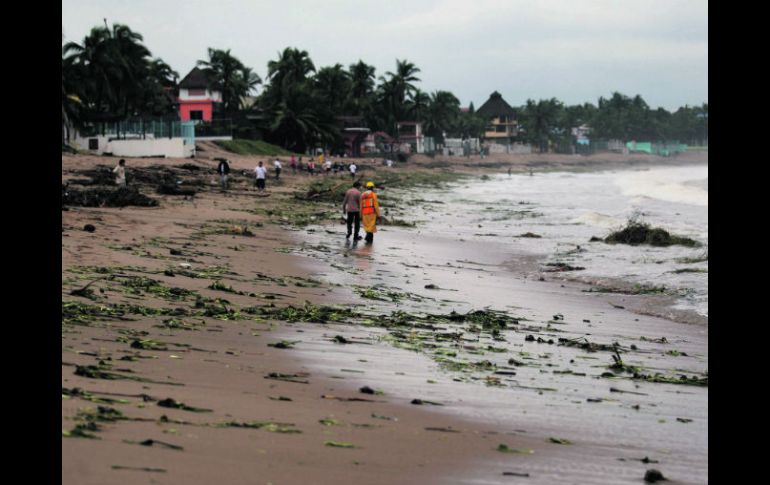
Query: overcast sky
[573, 50]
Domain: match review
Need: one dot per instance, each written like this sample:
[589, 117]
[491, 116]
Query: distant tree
[443, 112]
[231, 77]
[294, 123]
[111, 67]
[362, 83]
[332, 86]
[417, 107]
[542, 122]
[292, 67]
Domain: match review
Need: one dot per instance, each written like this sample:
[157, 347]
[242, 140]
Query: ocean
[567, 209]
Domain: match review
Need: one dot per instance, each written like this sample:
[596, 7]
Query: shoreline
[473, 439]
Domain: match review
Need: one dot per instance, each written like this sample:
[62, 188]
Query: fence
[140, 129]
[663, 149]
[214, 129]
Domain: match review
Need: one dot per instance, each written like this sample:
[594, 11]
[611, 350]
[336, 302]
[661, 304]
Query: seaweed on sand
[306, 313]
[89, 419]
[339, 444]
[76, 313]
[94, 372]
[106, 197]
[171, 403]
[636, 232]
[175, 189]
[265, 425]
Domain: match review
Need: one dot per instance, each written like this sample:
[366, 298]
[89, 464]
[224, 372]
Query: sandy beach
[230, 337]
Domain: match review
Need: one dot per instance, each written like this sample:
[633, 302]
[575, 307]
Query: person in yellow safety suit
[370, 212]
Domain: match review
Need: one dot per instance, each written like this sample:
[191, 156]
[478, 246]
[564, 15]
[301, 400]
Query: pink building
[197, 97]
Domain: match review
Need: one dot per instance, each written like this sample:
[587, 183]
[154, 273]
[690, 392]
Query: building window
[196, 92]
[93, 143]
[196, 115]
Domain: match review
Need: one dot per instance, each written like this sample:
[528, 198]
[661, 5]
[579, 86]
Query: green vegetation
[251, 147]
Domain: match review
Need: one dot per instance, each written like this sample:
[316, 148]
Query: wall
[184, 95]
[516, 148]
[186, 106]
[166, 147]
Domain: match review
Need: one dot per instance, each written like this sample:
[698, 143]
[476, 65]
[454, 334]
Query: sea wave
[680, 185]
[598, 219]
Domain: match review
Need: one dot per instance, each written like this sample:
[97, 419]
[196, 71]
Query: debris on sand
[652, 475]
[286, 428]
[106, 197]
[152, 442]
[636, 233]
[560, 441]
[339, 444]
[503, 448]
[175, 189]
[139, 469]
[288, 377]
[170, 403]
[560, 266]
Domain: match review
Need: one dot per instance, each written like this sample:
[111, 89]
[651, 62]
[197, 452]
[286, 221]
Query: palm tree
[442, 113]
[541, 121]
[332, 87]
[361, 87]
[393, 91]
[403, 78]
[296, 125]
[230, 76]
[109, 71]
[417, 107]
[293, 66]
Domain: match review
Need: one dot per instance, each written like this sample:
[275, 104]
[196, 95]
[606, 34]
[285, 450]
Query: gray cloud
[574, 50]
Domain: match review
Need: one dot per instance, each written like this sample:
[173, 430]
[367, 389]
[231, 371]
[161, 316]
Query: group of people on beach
[324, 166]
[260, 171]
[358, 208]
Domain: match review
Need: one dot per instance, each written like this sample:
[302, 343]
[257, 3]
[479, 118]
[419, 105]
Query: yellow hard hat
[369, 185]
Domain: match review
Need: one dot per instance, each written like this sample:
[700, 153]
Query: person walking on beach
[351, 207]
[261, 174]
[327, 167]
[311, 167]
[370, 211]
[223, 170]
[278, 167]
[120, 173]
[353, 169]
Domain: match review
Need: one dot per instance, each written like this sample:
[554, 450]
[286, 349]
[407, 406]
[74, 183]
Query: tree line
[112, 76]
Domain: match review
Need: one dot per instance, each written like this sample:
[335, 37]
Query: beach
[236, 332]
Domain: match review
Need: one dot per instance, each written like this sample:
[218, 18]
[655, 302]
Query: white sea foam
[597, 219]
[678, 185]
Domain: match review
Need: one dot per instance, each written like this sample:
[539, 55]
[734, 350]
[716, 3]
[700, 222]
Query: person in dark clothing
[351, 207]
[223, 170]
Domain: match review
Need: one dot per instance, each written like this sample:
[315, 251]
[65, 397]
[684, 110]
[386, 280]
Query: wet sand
[222, 364]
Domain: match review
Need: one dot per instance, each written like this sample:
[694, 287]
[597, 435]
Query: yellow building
[503, 127]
